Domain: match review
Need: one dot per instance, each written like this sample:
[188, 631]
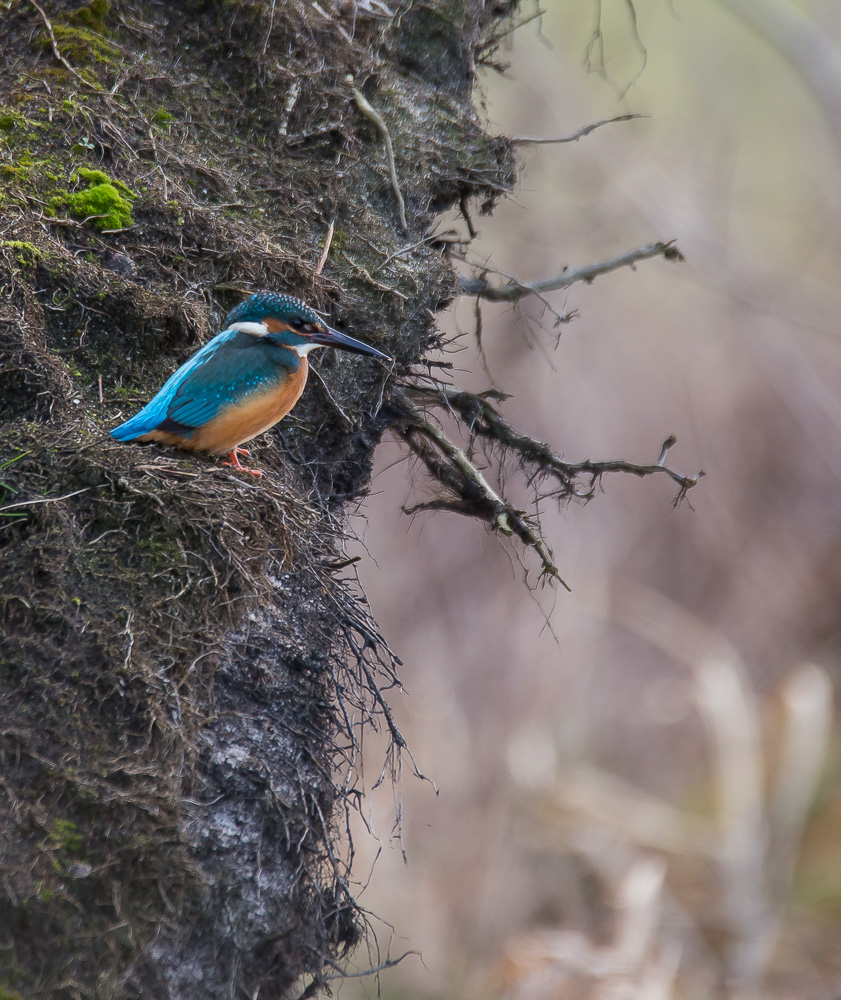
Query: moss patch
[16, 129]
[81, 45]
[25, 253]
[92, 15]
[104, 202]
[82, 37]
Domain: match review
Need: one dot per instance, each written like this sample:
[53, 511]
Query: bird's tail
[140, 424]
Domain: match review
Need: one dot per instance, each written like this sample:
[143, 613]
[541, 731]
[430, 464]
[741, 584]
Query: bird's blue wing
[241, 366]
[225, 369]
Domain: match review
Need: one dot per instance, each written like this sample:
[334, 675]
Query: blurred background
[638, 782]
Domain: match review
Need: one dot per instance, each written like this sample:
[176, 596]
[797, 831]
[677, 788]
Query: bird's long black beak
[332, 338]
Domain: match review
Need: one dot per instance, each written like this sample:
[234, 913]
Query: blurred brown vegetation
[639, 799]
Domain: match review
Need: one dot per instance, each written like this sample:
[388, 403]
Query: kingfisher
[242, 382]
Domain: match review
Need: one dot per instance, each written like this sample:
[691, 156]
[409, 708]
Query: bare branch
[470, 493]
[483, 420]
[527, 140]
[515, 289]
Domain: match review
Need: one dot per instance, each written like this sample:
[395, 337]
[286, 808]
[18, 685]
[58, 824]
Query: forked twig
[515, 289]
[470, 492]
[482, 419]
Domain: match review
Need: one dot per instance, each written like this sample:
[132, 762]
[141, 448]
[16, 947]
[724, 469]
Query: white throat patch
[304, 349]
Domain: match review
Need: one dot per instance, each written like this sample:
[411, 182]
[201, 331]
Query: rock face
[180, 659]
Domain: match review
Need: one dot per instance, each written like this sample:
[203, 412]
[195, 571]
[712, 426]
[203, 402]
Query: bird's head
[287, 321]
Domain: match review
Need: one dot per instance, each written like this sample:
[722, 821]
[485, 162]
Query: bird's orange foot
[235, 463]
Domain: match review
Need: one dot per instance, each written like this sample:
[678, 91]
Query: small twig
[56, 50]
[377, 284]
[269, 29]
[341, 563]
[387, 964]
[527, 140]
[466, 215]
[472, 494]
[328, 239]
[130, 645]
[667, 445]
[314, 371]
[369, 112]
[291, 100]
[31, 503]
[515, 289]
[467, 469]
[495, 40]
[485, 268]
[101, 400]
[509, 30]
[433, 237]
[316, 986]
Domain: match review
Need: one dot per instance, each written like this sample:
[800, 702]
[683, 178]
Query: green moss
[100, 177]
[160, 553]
[175, 207]
[81, 45]
[25, 253]
[107, 203]
[340, 239]
[92, 15]
[8, 995]
[12, 120]
[162, 117]
[66, 837]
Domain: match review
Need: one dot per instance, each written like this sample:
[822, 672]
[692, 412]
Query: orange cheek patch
[277, 326]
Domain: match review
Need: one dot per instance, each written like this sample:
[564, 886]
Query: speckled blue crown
[262, 304]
